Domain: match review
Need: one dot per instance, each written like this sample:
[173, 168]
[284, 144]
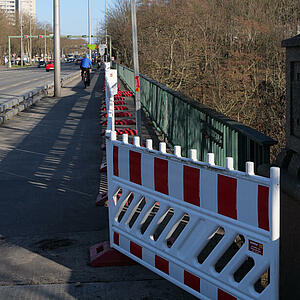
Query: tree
[223, 53]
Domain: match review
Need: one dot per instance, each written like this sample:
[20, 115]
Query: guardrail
[183, 121]
[12, 107]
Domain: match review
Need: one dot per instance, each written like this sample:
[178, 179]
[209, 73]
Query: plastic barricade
[119, 114]
[212, 231]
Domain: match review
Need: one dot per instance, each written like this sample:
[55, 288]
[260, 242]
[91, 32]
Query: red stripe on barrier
[263, 207]
[136, 250]
[191, 189]
[121, 107]
[161, 264]
[225, 296]
[116, 238]
[192, 281]
[135, 167]
[131, 131]
[122, 114]
[227, 187]
[124, 122]
[116, 161]
[120, 103]
[161, 175]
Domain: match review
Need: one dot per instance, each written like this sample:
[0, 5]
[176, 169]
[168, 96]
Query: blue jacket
[85, 63]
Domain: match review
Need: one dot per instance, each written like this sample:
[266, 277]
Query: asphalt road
[14, 83]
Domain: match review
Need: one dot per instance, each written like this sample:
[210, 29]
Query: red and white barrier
[111, 89]
[202, 198]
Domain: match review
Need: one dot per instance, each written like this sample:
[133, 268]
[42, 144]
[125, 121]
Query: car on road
[41, 64]
[70, 58]
[50, 65]
[78, 61]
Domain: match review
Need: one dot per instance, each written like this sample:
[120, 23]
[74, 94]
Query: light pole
[9, 53]
[90, 29]
[110, 49]
[45, 45]
[21, 24]
[30, 41]
[56, 22]
[105, 22]
[136, 69]
[106, 27]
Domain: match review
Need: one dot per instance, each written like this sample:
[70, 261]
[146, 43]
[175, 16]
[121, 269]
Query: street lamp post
[136, 69]
[106, 27]
[90, 29]
[9, 53]
[56, 22]
[45, 45]
[21, 27]
[110, 46]
[30, 41]
[105, 21]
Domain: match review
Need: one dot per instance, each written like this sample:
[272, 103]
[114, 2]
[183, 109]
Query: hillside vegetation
[224, 53]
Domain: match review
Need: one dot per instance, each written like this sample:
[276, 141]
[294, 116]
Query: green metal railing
[192, 125]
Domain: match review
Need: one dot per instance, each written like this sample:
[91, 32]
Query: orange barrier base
[101, 255]
[102, 199]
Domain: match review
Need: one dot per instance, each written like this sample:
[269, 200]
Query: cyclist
[85, 66]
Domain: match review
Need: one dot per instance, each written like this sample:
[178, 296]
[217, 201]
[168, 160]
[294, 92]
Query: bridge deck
[49, 179]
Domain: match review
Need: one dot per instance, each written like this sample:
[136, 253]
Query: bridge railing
[183, 121]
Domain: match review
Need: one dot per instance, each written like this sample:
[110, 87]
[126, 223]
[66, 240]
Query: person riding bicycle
[85, 66]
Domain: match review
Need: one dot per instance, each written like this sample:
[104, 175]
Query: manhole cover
[51, 244]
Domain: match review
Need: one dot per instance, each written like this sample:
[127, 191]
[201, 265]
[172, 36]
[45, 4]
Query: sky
[74, 14]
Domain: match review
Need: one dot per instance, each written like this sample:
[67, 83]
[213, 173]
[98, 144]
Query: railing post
[9, 53]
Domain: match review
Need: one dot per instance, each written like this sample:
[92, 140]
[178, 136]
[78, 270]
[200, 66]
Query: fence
[190, 124]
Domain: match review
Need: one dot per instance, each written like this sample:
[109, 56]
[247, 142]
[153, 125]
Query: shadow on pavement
[49, 180]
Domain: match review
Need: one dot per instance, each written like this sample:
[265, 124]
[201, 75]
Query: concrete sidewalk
[49, 180]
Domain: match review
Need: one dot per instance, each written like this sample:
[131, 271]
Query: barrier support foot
[102, 199]
[101, 255]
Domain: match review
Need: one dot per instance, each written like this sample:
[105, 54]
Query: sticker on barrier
[212, 231]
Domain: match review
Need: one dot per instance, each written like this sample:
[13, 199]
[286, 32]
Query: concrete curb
[12, 107]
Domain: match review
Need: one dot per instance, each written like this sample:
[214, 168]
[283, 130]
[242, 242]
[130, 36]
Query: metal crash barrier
[211, 230]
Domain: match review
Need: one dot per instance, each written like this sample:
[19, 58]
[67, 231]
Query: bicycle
[85, 78]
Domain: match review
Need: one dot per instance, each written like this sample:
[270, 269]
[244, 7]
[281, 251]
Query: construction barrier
[211, 230]
[119, 114]
[120, 107]
[111, 89]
